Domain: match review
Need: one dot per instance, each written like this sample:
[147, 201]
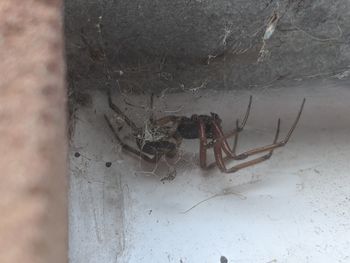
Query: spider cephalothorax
[163, 137]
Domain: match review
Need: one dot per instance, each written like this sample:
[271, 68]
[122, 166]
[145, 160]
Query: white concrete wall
[292, 208]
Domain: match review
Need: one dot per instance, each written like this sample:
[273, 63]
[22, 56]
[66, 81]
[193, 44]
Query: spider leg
[218, 147]
[244, 155]
[129, 148]
[275, 144]
[221, 145]
[239, 128]
[236, 137]
[219, 134]
[203, 145]
[220, 161]
[114, 107]
[151, 116]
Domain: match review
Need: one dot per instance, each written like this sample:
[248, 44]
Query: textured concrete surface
[190, 44]
[33, 221]
[290, 209]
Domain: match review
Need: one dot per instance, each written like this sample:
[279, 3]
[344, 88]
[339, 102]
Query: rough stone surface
[33, 221]
[167, 44]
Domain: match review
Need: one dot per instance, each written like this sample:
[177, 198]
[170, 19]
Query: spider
[163, 137]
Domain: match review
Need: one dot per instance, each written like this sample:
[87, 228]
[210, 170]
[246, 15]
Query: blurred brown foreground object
[33, 145]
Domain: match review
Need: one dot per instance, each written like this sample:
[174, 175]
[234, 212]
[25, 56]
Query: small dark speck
[223, 259]
[108, 164]
[77, 155]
